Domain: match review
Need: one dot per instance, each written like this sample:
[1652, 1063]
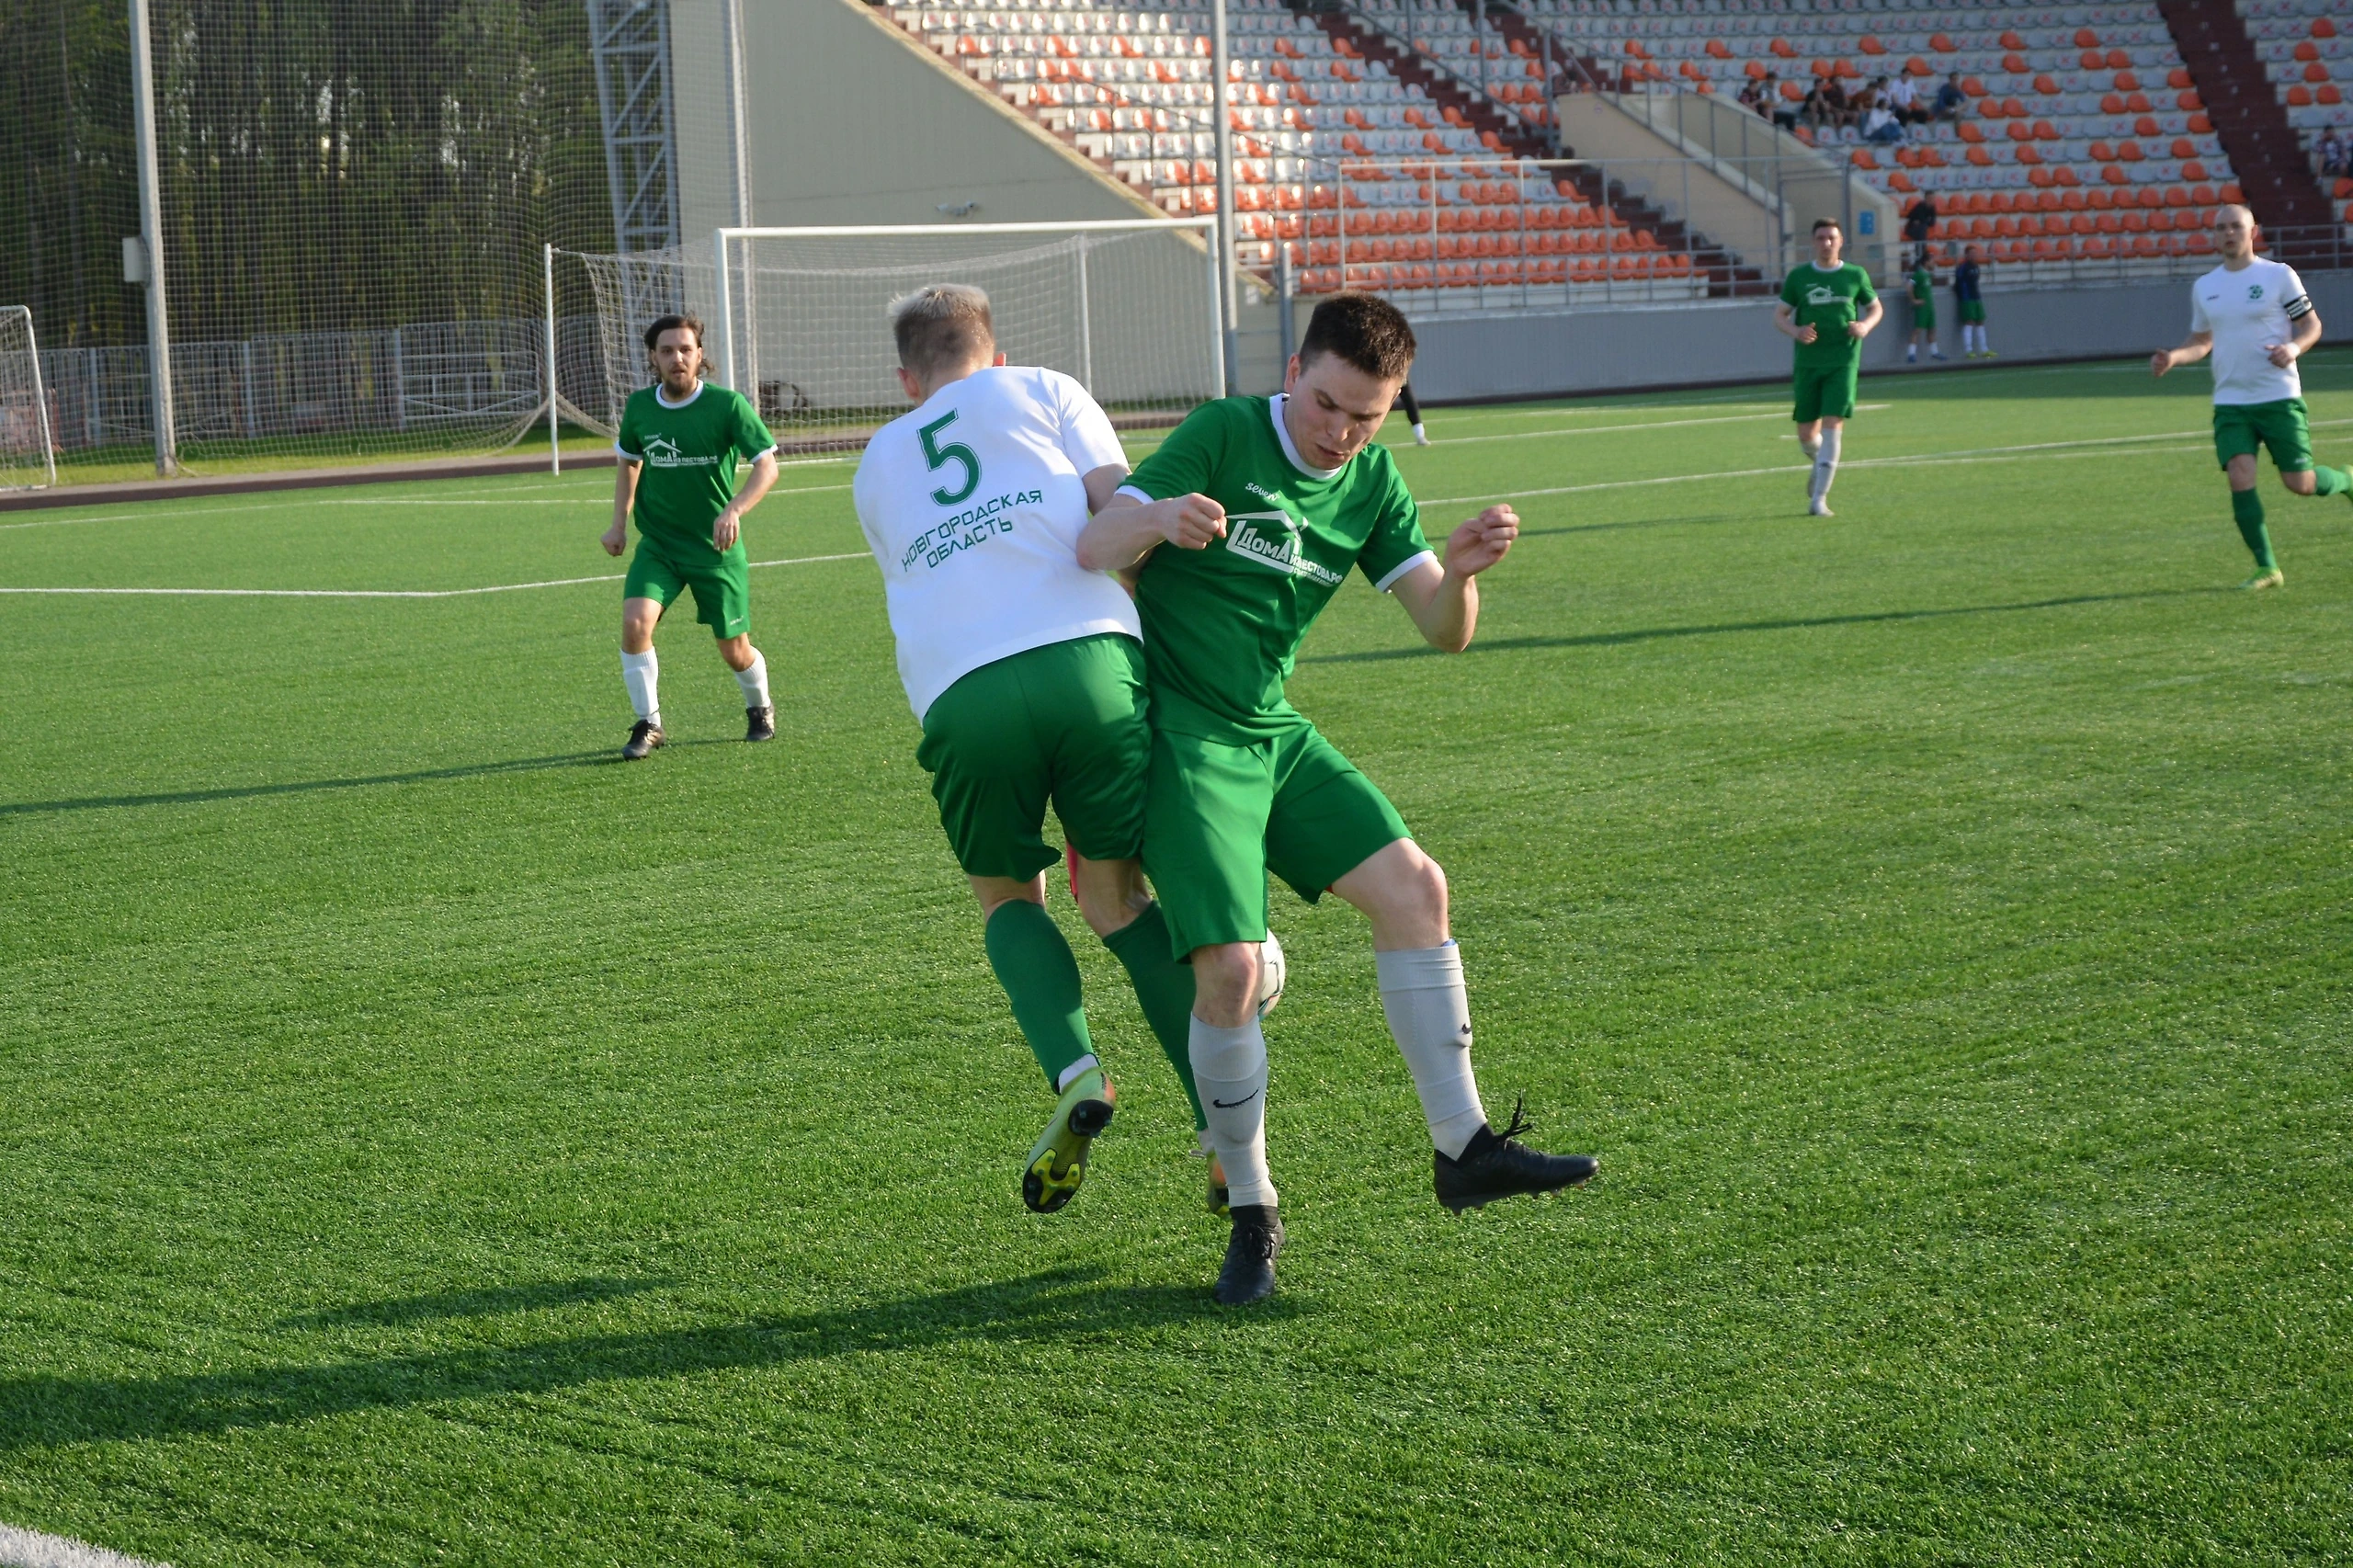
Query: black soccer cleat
[759, 723]
[1493, 1166]
[1249, 1272]
[644, 737]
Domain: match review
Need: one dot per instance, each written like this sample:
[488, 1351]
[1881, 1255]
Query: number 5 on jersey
[955, 452]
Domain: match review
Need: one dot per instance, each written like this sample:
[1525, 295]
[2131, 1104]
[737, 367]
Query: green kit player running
[1265, 506]
[1828, 308]
[678, 444]
[2255, 319]
[1923, 292]
[1026, 675]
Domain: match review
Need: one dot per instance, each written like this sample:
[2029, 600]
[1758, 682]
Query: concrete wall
[851, 120]
[1630, 347]
[1659, 171]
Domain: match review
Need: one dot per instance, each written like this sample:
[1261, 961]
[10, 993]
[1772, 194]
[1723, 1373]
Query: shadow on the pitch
[1720, 628]
[40, 1410]
[308, 786]
[475, 1303]
[1700, 520]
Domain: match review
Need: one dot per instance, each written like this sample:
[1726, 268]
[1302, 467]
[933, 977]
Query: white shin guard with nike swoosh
[1229, 1070]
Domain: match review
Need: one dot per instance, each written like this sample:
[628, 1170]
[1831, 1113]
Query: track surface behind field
[425, 1139]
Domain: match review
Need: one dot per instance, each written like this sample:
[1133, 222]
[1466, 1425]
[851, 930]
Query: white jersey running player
[1026, 672]
[2254, 316]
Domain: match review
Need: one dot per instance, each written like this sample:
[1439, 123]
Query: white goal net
[27, 455]
[797, 318]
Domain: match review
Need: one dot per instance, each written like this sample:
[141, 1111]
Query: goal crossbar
[724, 327]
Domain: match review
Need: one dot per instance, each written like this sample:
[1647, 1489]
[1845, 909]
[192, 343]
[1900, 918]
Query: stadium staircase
[2306, 48]
[2084, 135]
[1357, 146]
[2248, 111]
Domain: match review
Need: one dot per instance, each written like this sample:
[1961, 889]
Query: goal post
[796, 318]
[28, 449]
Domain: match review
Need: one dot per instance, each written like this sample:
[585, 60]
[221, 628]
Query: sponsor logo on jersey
[1261, 492]
[2255, 290]
[663, 452]
[1822, 294]
[972, 527]
[1271, 540]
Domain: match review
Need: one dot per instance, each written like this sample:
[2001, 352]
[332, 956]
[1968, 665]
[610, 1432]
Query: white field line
[586, 498]
[1619, 429]
[390, 593]
[30, 1549]
[2085, 448]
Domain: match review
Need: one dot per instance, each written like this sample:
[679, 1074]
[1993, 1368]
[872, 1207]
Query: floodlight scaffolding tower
[630, 43]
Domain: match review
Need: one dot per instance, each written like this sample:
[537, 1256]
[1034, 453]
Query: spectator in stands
[1825, 107]
[1920, 221]
[1756, 96]
[2335, 158]
[1905, 100]
[1776, 107]
[1950, 99]
[1879, 124]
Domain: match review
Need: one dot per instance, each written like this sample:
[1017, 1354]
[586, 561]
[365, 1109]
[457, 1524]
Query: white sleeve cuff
[1132, 490]
[1402, 567]
[633, 457]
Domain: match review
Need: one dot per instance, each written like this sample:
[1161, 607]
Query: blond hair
[941, 324]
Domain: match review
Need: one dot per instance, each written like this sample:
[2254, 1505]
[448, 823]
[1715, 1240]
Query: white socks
[1973, 339]
[642, 673]
[1825, 463]
[1229, 1070]
[755, 681]
[1429, 1014]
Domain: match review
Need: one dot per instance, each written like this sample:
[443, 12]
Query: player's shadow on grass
[475, 1303]
[1057, 1306]
[308, 786]
[1726, 628]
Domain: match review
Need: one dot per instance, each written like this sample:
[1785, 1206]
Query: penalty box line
[32, 1549]
[393, 593]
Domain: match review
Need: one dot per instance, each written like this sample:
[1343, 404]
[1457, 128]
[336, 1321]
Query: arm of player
[2306, 335]
[2194, 348]
[1785, 322]
[1102, 484]
[1860, 328]
[1444, 601]
[616, 538]
[730, 523]
[1126, 529]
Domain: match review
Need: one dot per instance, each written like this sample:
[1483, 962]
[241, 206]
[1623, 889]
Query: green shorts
[1924, 318]
[2241, 429]
[1825, 392]
[1973, 313]
[1066, 723]
[1218, 816]
[721, 586]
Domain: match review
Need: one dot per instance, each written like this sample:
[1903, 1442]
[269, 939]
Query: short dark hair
[943, 324]
[672, 324]
[1365, 331]
[1822, 224]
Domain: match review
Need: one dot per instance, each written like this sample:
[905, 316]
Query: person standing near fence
[1968, 304]
[678, 444]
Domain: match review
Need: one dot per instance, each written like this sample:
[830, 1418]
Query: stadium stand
[2249, 114]
[2307, 56]
[1383, 163]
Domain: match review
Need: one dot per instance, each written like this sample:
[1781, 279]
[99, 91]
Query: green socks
[1165, 989]
[2246, 507]
[1039, 974]
[2330, 480]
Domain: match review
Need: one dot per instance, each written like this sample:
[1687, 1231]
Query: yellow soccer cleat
[1057, 1162]
[2269, 577]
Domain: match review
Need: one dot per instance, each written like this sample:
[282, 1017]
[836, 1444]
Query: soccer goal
[28, 456]
[797, 318]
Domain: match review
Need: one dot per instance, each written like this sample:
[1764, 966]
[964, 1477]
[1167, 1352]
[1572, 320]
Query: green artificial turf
[423, 1139]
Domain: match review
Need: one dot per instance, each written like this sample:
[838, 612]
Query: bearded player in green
[1263, 507]
[684, 437]
[1827, 308]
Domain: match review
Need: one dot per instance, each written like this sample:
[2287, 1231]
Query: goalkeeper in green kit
[1238, 529]
[1827, 308]
[678, 447]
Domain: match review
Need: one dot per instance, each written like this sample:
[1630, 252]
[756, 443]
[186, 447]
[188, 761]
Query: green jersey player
[2255, 319]
[1923, 295]
[1240, 527]
[1827, 308]
[678, 444]
[1026, 672]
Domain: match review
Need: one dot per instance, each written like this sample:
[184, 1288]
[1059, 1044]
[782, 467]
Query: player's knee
[2300, 483]
[1421, 887]
[1226, 983]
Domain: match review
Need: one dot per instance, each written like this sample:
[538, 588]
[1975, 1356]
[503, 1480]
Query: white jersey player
[2254, 316]
[1026, 672]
